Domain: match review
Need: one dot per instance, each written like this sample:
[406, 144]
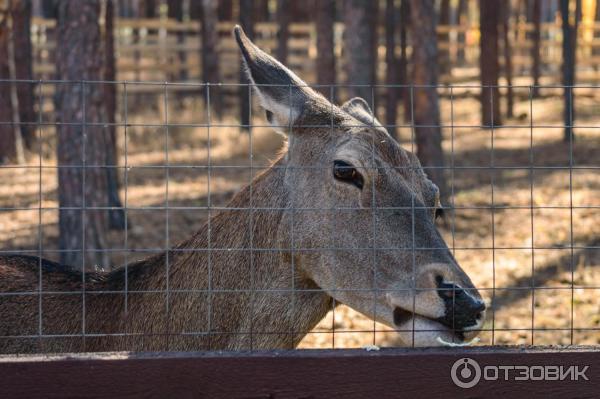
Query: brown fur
[184, 325]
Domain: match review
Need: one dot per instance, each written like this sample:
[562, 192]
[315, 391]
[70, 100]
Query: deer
[344, 215]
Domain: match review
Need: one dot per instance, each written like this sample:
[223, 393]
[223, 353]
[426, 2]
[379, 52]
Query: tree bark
[596, 49]
[225, 10]
[80, 140]
[325, 20]
[116, 216]
[359, 44]
[444, 53]
[195, 10]
[49, 9]
[149, 8]
[405, 93]
[210, 55]
[300, 12]
[426, 110]
[175, 11]
[21, 26]
[126, 8]
[247, 23]
[261, 10]
[488, 62]
[8, 145]
[508, 68]
[146, 9]
[535, 49]
[149, 11]
[568, 67]
[283, 33]
[461, 11]
[392, 69]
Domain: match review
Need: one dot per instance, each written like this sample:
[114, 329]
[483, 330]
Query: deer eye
[439, 213]
[347, 173]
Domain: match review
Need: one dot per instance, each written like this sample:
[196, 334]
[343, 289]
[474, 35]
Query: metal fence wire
[271, 268]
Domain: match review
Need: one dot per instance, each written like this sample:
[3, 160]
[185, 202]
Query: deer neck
[240, 264]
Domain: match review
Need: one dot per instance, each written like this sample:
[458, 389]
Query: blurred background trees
[489, 21]
[325, 63]
[413, 47]
[424, 98]
[569, 21]
[360, 21]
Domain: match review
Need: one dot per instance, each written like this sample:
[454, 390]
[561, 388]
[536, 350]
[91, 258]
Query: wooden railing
[537, 372]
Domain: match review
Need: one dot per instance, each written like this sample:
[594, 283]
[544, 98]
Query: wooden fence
[351, 373]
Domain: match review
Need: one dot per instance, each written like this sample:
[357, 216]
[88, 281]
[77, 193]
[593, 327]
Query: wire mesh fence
[230, 242]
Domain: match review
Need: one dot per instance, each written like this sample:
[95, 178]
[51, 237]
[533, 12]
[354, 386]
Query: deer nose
[462, 308]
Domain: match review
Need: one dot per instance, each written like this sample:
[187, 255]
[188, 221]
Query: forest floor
[554, 209]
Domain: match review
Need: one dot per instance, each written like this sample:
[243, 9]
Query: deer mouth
[406, 319]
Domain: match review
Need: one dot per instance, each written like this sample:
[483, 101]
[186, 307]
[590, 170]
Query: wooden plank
[157, 23]
[388, 373]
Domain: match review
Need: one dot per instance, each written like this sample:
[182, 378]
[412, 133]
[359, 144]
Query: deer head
[362, 220]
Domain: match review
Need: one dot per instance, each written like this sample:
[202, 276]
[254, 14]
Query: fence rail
[391, 373]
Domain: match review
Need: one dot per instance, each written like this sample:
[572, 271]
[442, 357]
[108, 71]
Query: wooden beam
[387, 373]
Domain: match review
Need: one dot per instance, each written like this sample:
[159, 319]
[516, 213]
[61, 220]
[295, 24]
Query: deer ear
[358, 108]
[282, 94]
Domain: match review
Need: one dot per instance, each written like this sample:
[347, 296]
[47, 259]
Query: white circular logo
[465, 373]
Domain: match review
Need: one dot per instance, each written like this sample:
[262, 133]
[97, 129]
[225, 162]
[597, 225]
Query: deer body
[250, 304]
[345, 215]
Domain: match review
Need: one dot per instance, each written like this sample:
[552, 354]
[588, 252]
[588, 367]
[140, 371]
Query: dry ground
[494, 246]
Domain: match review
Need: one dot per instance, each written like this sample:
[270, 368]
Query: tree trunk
[175, 11]
[149, 7]
[283, 34]
[126, 8]
[149, 11]
[568, 67]
[488, 62]
[195, 10]
[596, 49]
[426, 110]
[210, 55]
[405, 93]
[461, 17]
[261, 10]
[247, 23]
[116, 216]
[392, 69]
[8, 145]
[21, 26]
[508, 68]
[80, 140]
[146, 9]
[49, 9]
[535, 49]
[325, 20]
[359, 45]
[443, 38]
[300, 12]
[225, 10]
